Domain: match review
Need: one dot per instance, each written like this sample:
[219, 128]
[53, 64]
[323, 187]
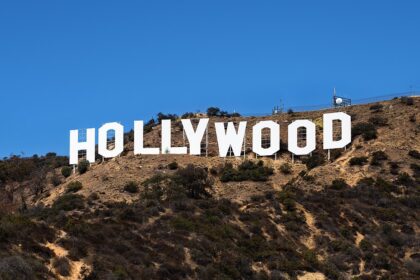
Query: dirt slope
[337, 219]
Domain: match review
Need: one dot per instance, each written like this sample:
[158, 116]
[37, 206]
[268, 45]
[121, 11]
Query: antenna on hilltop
[278, 109]
[339, 101]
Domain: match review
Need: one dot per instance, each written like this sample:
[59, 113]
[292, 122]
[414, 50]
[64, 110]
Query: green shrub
[119, 272]
[148, 127]
[62, 266]
[83, 166]
[317, 159]
[412, 266]
[416, 170]
[257, 198]
[286, 168]
[335, 154]
[394, 167]
[17, 169]
[410, 201]
[287, 198]
[289, 204]
[193, 180]
[78, 249]
[309, 178]
[376, 108]
[412, 118]
[15, 226]
[247, 170]
[378, 121]
[93, 196]
[358, 160]
[377, 157]
[181, 223]
[285, 194]
[404, 179]
[162, 116]
[331, 271]
[188, 115]
[414, 154]
[367, 130]
[173, 165]
[15, 267]
[365, 245]
[216, 112]
[346, 232]
[384, 185]
[129, 136]
[69, 202]
[339, 184]
[156, 187]
[407, 100]
[381, 261]
[213, 111]
[66, 171]
[366, 181]
[293, 220]
[214, 171]
[131, 187]
[310, 257]
[74, 187]
[55, 180]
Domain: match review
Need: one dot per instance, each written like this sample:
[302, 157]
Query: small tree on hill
[194, 180]
[83, 166]
[213, 111]
[66, 171]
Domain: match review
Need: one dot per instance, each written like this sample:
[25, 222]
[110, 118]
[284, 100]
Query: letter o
[310, 137]
[102, 140]
[274, 138]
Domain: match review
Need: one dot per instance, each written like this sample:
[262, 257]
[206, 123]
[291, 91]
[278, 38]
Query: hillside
[195, 217]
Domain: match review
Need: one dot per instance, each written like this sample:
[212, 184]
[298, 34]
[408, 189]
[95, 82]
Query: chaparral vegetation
[354, 215]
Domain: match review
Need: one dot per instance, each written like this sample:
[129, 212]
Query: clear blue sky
[78, 64]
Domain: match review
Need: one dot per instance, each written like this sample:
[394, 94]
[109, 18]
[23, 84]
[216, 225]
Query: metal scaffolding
[339, 101]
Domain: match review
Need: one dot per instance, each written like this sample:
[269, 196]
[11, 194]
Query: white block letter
[76, 146]
[310, 137]
[103, 139]
[166, 140]
[329, 142]
[138, 141]
[195, 137]
[230, 138]
[274, 138]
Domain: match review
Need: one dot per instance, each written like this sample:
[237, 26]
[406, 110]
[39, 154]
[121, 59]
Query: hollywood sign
[228, 137]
